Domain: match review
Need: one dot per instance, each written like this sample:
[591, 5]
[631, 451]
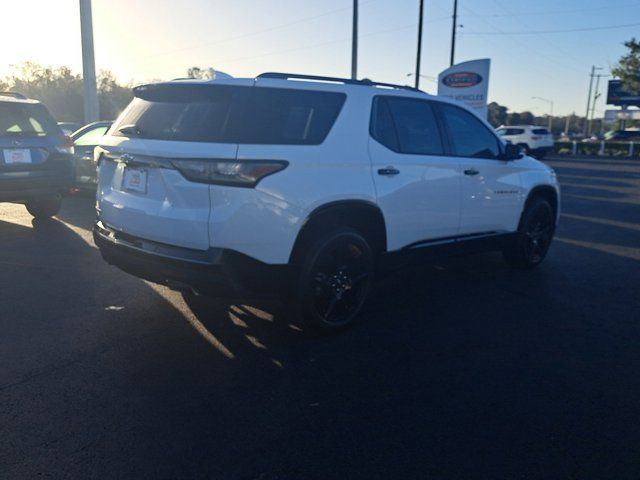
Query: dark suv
[36, 158]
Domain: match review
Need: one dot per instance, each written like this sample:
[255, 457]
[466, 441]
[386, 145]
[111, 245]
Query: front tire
[335, 280]
[534, 235]
[45, 206]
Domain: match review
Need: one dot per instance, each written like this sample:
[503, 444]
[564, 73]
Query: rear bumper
[217, 271]
[15, 188]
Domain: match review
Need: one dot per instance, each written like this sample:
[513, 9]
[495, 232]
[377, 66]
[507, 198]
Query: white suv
[535, 141]
[309, 184]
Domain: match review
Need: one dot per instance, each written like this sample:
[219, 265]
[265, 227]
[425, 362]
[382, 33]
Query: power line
[256, 32]
[330, 42]
[556, 12]
[569, 30]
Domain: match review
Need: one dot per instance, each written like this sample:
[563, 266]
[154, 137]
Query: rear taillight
[66, 146]
[238, 173]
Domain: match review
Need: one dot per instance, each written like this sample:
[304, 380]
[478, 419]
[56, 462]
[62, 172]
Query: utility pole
[354, 42]
[91, 106]
[566, 124]
[453, 31]
[419, 44]
[550, 102]
[596, 95]
[586, 117]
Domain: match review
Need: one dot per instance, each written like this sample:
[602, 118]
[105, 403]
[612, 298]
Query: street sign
[616, 95]
[468, 83]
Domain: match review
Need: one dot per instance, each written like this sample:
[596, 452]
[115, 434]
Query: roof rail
[13, 94]
[349, 81]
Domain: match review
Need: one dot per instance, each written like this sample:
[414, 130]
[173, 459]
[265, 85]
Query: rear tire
[45, 206]
[335, 279]
[534, 236]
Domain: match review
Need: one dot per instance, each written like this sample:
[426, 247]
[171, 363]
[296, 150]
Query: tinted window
[407, 124]
[469, 136]
[26, 120]
[92, 137]
[510, 131]
[383, 129]
[540, 131]
[226, 114]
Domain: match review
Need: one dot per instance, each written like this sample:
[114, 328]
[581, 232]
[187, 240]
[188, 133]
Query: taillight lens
[238, 173]
[66, 146]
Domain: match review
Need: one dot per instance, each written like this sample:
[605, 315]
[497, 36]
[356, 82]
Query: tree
[61, 90]
[628, 67]
[497, 114]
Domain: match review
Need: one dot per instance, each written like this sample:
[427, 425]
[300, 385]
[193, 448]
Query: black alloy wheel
[336, 279]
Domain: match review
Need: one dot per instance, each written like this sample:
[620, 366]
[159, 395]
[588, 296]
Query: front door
[417, 185]
[491, 190]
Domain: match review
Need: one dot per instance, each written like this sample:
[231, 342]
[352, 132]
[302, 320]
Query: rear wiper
[130, 130]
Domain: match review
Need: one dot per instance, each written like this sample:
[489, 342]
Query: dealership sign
[468, 83]
[616, 95]
[613, 115]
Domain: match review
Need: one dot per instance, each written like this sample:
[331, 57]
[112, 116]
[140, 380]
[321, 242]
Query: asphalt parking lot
[462, 369]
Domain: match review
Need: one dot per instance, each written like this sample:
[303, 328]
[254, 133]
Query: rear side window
[469, 136]
[540, 131]
[406, 125]
[26, 120]
[510, 131]
[228, 114]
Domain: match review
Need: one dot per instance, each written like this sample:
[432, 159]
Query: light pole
[550, 102]
[354, 42]
[91, 107]
[586, 117]
[418, 54]
[453, 32]
[596, 96]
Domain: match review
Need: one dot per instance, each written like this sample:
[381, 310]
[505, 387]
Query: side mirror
[512, 152]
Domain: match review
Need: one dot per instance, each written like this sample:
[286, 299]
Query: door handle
[471, 171]
[388, 171]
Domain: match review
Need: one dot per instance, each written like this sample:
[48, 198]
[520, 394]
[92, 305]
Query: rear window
[229, 114]
[540, 131]
[26, 120]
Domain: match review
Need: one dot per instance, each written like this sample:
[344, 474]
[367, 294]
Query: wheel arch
[361, 215]
[543, 191]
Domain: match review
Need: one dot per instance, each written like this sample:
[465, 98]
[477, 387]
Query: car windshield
[25, 120]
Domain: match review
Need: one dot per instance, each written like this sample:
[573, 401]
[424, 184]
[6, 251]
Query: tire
[534, 235]
[335, 279]
[525, 148]
[45, 206]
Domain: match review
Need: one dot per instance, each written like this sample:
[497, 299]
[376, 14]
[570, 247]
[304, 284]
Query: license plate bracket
[134, 179]
[13, 156]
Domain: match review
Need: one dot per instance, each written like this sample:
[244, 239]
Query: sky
[145, 40]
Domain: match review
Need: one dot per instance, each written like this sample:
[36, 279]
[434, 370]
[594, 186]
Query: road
[462, 369]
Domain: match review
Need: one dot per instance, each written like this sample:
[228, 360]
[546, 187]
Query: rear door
[491, 189]
[140, 190]
[418, 185]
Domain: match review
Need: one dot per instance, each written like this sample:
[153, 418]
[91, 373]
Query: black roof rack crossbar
[348, 81]
[13, 94]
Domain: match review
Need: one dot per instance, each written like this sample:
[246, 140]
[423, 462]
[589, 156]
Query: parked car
[68, 127]
[84, 141]
[312, 184]
[629, 135]
[35, 156]
[535, 141]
